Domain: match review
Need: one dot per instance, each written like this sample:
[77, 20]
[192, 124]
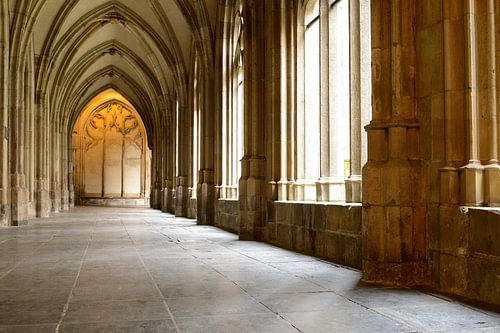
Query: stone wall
[330, 231]
[466, 254]
[227, 215]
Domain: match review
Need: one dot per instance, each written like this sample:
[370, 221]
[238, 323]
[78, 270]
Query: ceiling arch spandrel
[111, 76]
[105, 61]
[110, 33]
[178, 23]
[47, 16]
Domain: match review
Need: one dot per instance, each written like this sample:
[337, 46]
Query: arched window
[311, 117]
[324, 117]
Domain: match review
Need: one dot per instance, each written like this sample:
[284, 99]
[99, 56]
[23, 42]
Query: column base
[492, 185]
[330, 189]
[253, 209]
[286, 190]
[181, 201]
[4, 214]
[305, 190]
[353, 189]
[65, 200]
[18, 200]
[471, 185]
[206, 204]
[43, 203]
[55, 197]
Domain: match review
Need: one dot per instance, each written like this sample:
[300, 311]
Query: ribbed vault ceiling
[140, 48]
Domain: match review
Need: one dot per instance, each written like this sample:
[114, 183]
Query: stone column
[206, 190]
[64, 172]
[42, 182]
[19, 209]
[71, 177]
[55, 191]
[394, 229]
[182, 195]
[253, 197]
[4, 114]
[165, 141]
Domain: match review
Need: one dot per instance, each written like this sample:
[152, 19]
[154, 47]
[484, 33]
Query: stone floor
[138, 270]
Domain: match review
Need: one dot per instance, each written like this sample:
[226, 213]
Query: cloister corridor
[138, 270]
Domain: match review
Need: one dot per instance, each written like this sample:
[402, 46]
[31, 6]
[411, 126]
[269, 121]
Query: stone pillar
[4, 114]
[182, 181]
[252, 185]
[42, 196]
[55, 190]
[64, 173]
[206, 190]
[394, 229]
[19, 195]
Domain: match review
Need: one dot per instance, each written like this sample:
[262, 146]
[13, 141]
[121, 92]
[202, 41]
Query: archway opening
[111, 158]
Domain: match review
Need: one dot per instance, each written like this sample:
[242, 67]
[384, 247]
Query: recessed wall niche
[111, 156]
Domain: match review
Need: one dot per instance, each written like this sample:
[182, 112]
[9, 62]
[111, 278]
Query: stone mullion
[232, 127]
[226, 111]
[471, 79]
[220, 102]
[292, 62]
[182, 196]
[280, 117]
[173, 152]
[299, 143]
[471, 177]
[353, 183]
[323, 188]
[492, 169]
[453, 44]
[167, 155]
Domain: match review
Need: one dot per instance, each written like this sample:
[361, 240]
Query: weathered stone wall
[330, 231]
[466, 258]
[227, 213]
